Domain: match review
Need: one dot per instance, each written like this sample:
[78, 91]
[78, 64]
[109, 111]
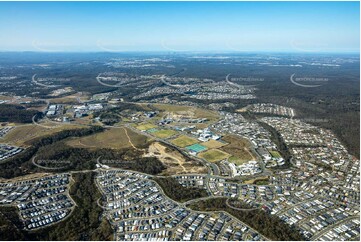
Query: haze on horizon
[180, 26]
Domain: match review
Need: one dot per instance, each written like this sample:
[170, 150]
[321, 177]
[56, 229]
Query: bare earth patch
[175, 162]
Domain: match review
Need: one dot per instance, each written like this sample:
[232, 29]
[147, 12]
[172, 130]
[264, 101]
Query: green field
[164, 133]
[214, 155]
[183, 141]
[237, 161]
[146, 126]
[275, 154]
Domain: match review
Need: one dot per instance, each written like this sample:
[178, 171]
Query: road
[41, 84]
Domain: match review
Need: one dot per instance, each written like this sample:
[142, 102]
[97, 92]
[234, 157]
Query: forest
[177, 192]
[16, 114]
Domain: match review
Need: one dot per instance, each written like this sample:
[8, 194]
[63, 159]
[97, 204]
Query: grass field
[2, 97]
[146, 126]
[239, 148]
[195, 112]
[214, 155]
[183, 141]
[70, 98]
[213, 144]
[275, 154]
[63, 100]
[22, 134]
[236, 160]
[164, 133]
[112, 138]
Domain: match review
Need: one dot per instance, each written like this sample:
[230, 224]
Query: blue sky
[180, 26]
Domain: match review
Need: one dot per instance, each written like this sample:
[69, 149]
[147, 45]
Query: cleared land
[22, 134]
[242, 110]
[146, 126]
[164, 133]
[183, 141]
[187, 111]
[214, 155]
[118, 138]
[175, 162]
[213, 144]
[239, 148]
[75, 98]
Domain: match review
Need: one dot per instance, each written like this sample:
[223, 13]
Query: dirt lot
[174, 161]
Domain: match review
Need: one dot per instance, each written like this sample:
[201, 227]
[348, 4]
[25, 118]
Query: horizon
[180, 52]
[118, 27]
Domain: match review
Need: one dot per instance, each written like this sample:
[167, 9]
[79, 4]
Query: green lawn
[275, 154]
[214, 155]
[164, 133]
[146, 126]
[183, 141]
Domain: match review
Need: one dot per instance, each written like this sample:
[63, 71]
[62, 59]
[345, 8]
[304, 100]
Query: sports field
[152, 130]
[146, 126]
[214, 155]
[164, 133]
[183, 141]
[213, 144]
[196, 148]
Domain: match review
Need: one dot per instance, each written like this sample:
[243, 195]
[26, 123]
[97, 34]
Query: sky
[180, 26]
